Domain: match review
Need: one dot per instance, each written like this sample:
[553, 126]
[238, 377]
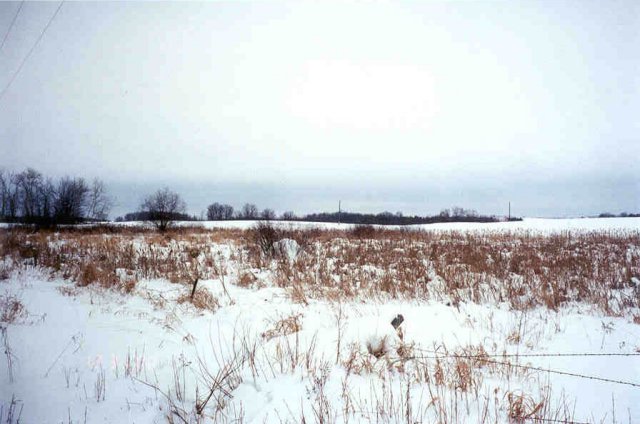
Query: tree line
[620, 215]
[387, 218]
[224, 212]
[214, 212]
[30, 197]
[154, 209]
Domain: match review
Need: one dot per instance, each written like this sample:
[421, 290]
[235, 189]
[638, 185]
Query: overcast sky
[412, 106]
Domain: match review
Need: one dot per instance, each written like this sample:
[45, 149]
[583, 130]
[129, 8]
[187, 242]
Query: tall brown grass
[522, 269]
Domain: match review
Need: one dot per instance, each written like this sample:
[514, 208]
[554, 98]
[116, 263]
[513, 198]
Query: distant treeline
[620, 215]
[31, 198]
[388, 218]
[151, 216]
[249, 211]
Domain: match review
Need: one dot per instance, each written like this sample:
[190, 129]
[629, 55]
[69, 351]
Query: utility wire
[30, 51]
[11, 25]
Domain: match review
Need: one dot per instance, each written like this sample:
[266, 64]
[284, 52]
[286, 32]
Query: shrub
[284, 327]
[11, 308]
[265, 235]
[202, 299]
[364, 231]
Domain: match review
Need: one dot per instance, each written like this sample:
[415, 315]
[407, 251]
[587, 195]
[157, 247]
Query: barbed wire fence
[495, 359]
[433, 354]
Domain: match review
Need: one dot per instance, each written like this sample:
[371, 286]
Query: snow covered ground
[527, 224]
[86, 354]
[543, 225]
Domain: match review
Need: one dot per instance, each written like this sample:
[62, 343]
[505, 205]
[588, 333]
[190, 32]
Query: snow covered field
[307, 336]
[546, 225]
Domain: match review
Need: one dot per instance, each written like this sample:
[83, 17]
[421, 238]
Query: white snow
[73, 341]
[544, 225]
[541, 225]
[287, 248]
[67, 342]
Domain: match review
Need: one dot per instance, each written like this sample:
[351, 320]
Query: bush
[11, 308]
[265, 235]
[364, 231]
[202, 299]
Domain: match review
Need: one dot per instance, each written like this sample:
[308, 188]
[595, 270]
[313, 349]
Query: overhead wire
[13, 21]
[24, 60]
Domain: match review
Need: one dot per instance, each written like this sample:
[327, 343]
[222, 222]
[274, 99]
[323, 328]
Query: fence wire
[484, 358]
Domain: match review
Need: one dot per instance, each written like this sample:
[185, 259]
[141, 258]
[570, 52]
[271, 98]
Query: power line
[30, 51]
[11, 25]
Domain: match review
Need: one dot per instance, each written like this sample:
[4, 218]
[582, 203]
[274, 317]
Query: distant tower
[509, 219]
[339, 211]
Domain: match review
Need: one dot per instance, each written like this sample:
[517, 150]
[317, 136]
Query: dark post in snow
[399, 319]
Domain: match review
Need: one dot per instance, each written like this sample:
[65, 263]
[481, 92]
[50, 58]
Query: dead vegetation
[524, 270]
[201, 299]
[11, 309]
[521, 270]
[284, 327]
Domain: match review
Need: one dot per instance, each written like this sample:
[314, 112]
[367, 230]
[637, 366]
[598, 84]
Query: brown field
[523, 269]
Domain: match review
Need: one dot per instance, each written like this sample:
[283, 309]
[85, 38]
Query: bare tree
[70, 202]
[268, 214]
[227, 212]
[12, 199]
[457, 212]
[214, 212]
[288, 216]
[99, 203]
[48, 198]
[29, 184]
[163, 207]
[4, 194]
[29, 197]
[249, 211]
[218, 212]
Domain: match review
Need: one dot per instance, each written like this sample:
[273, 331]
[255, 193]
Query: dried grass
[246, 279]
[202, 299]
[523, 269]
[523, 407]
[11, 308]
[283, 327]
